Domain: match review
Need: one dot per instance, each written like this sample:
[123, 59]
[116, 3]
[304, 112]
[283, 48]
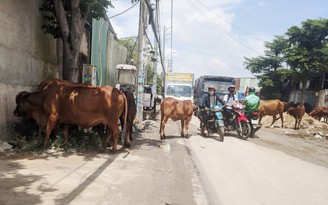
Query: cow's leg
[108, 137]
[39, 131]
[295, 123]
[127, 136]
[66, 126]
[282, 119]
[114, 132]
[187, 126]
[161, 131]
[273, 119]
[182, 128]
[299, 122]
[49, 127]
[260, 120]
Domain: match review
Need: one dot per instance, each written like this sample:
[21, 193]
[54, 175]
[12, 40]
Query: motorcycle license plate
[255, 122]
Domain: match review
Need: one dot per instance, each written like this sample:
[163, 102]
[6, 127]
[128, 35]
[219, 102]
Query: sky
[213, 37]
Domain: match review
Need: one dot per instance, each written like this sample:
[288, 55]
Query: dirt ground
[309, 143]
[309, 127]
[151, 172]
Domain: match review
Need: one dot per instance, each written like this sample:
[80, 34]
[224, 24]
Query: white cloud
[203, 40]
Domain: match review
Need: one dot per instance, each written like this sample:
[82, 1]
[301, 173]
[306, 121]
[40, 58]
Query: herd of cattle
[276, 107]
[183, 110]
[66, 103]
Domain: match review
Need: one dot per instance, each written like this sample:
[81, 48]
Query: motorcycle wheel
[221, 133]
[202, 128]
[245, 131]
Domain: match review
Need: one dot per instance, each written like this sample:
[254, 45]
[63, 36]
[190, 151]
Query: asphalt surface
[270, 169]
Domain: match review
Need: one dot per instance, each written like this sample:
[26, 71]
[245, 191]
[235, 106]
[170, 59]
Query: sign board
[179, 77]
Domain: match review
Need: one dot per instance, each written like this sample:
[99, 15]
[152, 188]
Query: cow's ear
[19, 96]
[22, 96]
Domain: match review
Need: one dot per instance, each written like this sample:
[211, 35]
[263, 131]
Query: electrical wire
[228, 21]
[124, 10]
[217, 27]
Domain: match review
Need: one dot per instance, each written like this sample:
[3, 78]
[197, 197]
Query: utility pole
[140, 67]
[168, 64]
[171, 35]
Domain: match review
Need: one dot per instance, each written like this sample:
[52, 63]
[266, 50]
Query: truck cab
[179, 86]
[179, 91]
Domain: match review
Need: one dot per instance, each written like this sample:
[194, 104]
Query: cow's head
[21, 105]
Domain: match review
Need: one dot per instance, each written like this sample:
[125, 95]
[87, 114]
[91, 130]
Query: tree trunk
[72, 38]
[70, 71]
[303, 92]
[59, 53]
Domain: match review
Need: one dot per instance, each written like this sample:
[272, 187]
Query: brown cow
[271, 108]
[37, 113]
[176, 110]
[82, 106]
[319, 112]
[297, 113]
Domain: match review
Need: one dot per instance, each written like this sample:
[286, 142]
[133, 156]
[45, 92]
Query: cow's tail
[125, 116]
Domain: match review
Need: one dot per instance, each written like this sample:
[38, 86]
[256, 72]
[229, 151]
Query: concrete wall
[27, 56]
[116, 55]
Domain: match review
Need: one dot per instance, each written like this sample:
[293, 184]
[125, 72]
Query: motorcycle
[212, 119]
[238, 122]
[253, 119]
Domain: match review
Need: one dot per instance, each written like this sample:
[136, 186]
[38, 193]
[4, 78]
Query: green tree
[307, 51]
[66, 20]
[132, 52]
[149, 70]
[159, 86]
[270, 69]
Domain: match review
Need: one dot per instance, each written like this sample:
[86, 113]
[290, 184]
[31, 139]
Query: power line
[135, 3]
[216, 26]
[228, 21]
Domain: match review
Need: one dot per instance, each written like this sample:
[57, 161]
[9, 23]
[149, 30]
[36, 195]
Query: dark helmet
[231, 87]
[211, 87]
[251, 90]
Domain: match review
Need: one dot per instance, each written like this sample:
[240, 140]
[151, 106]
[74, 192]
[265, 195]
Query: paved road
[242, 172]
[176, 171]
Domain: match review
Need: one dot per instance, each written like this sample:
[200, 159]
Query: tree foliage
[132, 52]
[66, 19]
[307, 50]
[300, 53]
[270, 69]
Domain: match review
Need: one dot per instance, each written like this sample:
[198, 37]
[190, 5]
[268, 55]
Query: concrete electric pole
[140, 67]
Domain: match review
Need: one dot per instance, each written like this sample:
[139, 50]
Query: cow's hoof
[127, 145]
[162, 138]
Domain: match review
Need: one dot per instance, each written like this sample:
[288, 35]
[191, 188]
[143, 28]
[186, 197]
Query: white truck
[179, 86]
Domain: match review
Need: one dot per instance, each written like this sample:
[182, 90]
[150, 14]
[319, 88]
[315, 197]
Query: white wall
[27, 56]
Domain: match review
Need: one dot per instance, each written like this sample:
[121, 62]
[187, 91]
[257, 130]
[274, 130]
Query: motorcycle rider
[251, 102]
[230, 99]
[208, 100]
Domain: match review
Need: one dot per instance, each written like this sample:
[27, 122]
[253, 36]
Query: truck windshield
[179, 90]
[126, 77]
[220, 86]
